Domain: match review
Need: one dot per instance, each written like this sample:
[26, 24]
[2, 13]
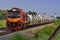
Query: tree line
[2, 14]
[32, 12]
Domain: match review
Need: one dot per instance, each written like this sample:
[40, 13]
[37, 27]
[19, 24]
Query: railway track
[4, 31]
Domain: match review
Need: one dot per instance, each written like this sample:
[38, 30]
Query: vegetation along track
[4, 31]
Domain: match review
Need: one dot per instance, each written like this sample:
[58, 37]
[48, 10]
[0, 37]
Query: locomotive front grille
[14, 24]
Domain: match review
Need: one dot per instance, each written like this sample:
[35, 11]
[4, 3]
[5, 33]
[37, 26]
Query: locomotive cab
[15, 19]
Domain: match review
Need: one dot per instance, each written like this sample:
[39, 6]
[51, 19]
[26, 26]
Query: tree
[33, 13]
[2, 14]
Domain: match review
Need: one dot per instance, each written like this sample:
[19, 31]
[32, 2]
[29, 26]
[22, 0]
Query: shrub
[2, 14]
[57, 22]
[2, 23]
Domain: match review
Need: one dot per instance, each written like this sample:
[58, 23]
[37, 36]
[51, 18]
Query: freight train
[17, 19]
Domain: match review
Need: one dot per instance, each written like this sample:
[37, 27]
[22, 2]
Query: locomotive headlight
[14, 10]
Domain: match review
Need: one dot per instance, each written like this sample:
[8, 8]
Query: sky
[40, 6]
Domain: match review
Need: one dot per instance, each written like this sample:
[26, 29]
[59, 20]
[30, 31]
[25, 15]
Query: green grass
[2, 23]
[57, 22]
[18, 36]
[44, 33]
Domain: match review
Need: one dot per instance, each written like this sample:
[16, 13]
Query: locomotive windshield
[13, 14]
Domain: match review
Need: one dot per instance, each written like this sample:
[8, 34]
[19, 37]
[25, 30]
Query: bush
[2, 14]
[2, 23]
[57, 22]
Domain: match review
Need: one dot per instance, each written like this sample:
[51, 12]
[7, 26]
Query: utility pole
[55, 16]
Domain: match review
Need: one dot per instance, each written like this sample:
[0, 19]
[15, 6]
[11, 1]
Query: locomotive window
[13, 14]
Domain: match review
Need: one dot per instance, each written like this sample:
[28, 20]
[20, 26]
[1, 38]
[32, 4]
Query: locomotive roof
[17, 9]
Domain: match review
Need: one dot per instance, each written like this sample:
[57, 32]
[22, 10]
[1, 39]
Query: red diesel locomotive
[16, 19]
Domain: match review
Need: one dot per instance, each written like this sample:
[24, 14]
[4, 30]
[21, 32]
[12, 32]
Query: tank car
[30, 19]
